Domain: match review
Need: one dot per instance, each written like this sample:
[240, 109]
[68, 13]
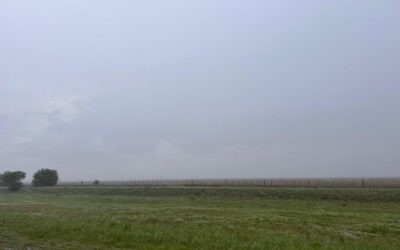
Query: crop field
[199, 218]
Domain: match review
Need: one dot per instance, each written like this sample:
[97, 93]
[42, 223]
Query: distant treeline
[42, 177]
[270, 182]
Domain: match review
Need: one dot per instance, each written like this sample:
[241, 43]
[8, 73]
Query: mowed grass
[200, 218]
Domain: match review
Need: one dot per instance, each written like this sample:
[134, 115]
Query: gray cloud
[191, 90]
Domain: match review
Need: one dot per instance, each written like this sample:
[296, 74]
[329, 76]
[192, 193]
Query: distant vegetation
[311, 194]
[13, 180]
[377, 182]
[45, 177]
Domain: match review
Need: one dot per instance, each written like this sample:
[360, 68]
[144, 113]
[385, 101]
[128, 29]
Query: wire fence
[392, 182]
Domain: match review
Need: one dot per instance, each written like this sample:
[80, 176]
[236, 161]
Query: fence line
[269, 182]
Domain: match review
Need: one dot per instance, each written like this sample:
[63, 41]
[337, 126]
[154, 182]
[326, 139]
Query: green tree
[13, 180]
[45, 177]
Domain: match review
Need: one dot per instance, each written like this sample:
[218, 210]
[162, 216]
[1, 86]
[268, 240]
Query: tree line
[42, 177]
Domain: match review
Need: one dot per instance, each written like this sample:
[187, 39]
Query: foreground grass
[200, 218]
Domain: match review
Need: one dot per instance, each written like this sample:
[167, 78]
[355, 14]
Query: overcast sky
[200, 89]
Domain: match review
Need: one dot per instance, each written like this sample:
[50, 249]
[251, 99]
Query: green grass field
[199, 218]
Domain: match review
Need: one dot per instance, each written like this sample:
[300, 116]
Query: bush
[96, 182]
[12, 179]
[15, 186]
[45, 177]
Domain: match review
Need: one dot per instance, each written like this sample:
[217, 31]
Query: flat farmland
[200, 218]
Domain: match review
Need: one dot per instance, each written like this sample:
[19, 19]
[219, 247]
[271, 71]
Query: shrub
[13, 180]
[15, 186]
[96, 182]
[45, 177]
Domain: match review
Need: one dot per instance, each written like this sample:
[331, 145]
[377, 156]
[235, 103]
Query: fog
[123, 90]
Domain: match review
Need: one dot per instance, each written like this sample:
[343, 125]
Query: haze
[120, 90]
